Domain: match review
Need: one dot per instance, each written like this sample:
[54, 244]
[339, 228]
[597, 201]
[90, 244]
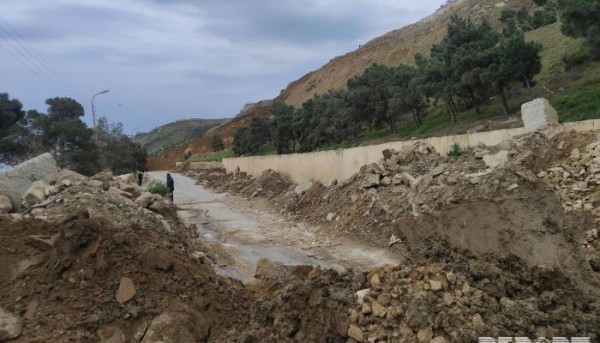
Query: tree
[283, 127]
[369, 94]
[581, 18]
[217, 143]
[515, 61]
[260, 133]
[405, 94]
[64, 108]
[10, 111]
[241, 141]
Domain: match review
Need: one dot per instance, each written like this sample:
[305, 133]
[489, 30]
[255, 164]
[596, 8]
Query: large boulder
[147, 199]
[36, 193]
[537, 114]
[15, 182]
[177, 327]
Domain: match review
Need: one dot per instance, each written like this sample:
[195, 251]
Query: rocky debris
[95, 183]
[120, 192]
[428, 303]
[126, 290]
[104, 176]
[111, 334]
[36, 193]
[10, 325]
[370, 180]
[5, 205]
[15, 182]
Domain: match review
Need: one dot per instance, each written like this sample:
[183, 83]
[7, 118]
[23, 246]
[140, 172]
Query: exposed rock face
[537, 114]
[15, 182]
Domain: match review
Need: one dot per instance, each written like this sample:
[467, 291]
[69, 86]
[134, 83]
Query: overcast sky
[168, 59]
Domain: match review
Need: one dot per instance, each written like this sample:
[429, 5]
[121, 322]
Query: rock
[512, 187]
[330, 216]
[66, 183]
[388, 153]
[439, 170]
[70, 176]
[36, 193]
[126, 290]
[378, 309]
[527, 175]
[537, 114]
[478, 323]
[435, 285]
[15, 182]
[370, 180]
[496, 160]
[386, 181]
[147, 199]
[120, 192]
[5, 205]
[375, 282]
[10, 325]
[438, 339]
[425, 335]
[356, 333]
[360, 295]
[575, 154]
[43, 242]
[394, 240]
[366, 309]
[177, 327]
[451, 277]
[105, 175]
[111, 334]
[95, 183]
[31, 311]
[158, 206]
[407, 179]
[303, 187]
[542, 174]
[127, 187]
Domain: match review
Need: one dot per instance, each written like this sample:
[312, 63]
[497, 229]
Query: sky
[164, 60]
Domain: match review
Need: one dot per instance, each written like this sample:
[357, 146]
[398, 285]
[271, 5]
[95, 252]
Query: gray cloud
[163, 60]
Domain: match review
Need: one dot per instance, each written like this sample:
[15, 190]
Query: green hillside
[173, 134]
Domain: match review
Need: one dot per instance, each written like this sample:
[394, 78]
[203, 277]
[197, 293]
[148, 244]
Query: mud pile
[95, 263]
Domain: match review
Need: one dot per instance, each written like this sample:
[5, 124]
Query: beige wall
[205, 165]
[342, 164]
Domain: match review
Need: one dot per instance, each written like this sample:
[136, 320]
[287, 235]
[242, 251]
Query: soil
[507, 251]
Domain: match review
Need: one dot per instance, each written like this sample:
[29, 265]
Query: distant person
[140, 178]
[170, 186]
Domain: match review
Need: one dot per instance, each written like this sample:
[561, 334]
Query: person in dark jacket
[140, 178]
[170, 186]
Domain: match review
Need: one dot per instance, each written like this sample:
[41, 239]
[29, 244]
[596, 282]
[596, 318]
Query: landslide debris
[99, 260]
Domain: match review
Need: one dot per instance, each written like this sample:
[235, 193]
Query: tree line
[471, 65]
[25, 134]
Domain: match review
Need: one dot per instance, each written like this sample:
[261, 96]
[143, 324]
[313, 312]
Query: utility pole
[94, 114]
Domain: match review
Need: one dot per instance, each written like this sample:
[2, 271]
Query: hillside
[202, 144]
[400, 46]
[173, 134]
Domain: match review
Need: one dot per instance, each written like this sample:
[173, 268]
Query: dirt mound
[487, 201]
[93, 265]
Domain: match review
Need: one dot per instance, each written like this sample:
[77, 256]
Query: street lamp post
[94, 113]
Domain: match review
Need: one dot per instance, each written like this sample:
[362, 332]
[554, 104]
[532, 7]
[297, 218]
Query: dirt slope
[398, 46]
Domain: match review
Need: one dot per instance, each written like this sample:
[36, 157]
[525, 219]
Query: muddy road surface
[239, 232]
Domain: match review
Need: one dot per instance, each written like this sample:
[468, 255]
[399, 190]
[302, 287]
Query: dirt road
[240, 232]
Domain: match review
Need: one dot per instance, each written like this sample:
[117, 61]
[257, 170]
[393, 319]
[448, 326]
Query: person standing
[170, 186]
[140, 178]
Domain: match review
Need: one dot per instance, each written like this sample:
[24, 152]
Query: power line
[21, 54]
[16, 36]
[31, 69]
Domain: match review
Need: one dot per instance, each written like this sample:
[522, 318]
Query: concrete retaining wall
[205, 165]
[342, 164]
